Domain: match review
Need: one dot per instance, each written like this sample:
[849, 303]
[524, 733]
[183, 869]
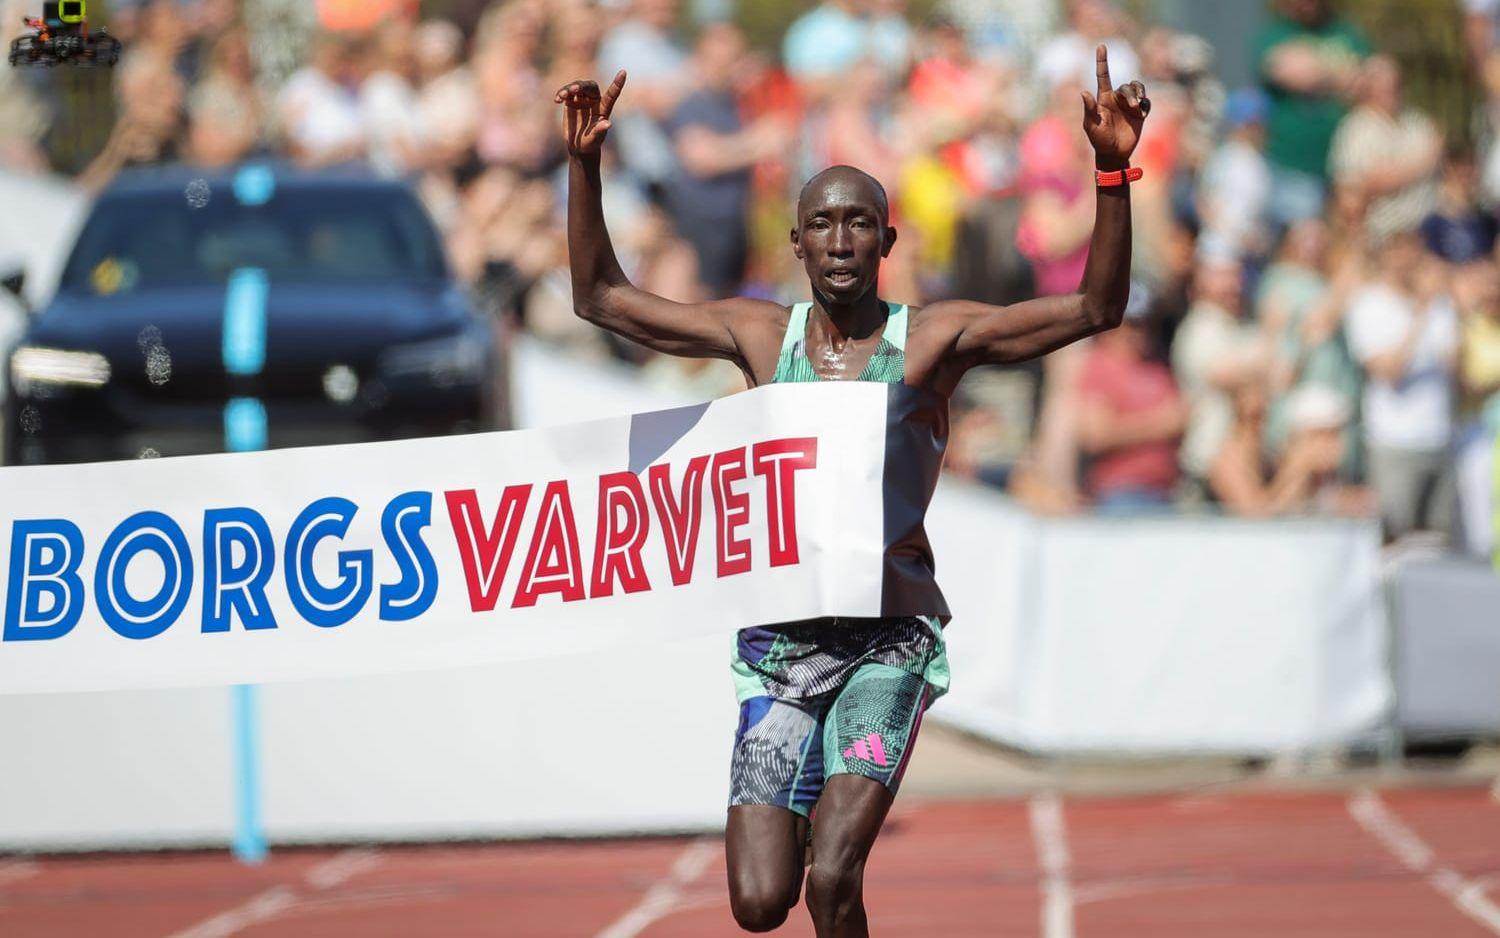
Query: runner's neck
[841, 322]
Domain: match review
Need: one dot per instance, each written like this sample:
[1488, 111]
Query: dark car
[256, 307]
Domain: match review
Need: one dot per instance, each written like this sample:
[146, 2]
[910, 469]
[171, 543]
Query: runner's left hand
[1113, 118]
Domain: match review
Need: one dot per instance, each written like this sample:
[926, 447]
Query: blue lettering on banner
[231, 588]
[401, 525]
[321, 605]
[44, 559]
[143, 618]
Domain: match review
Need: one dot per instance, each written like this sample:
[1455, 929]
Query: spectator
[709, 198]
[1301, 311]
[1479, 408]
[1317, 452]
[1385, 155]
[1057, 215]
[1404, 332]
[643, 44]
[1479, 372]
[1129, 421]
[149, 126]
[1068, 58]
[1458, 230]
[1249, 484]
[824, 42]
[1309, 63]
[388, 101]
[515, 122]
[1481, 22]
[1235, 187]
[447, 99]
[1002, 29]
[363, 16]
[1213, 354]
[23, 115]
[225, 111]
[318, 108]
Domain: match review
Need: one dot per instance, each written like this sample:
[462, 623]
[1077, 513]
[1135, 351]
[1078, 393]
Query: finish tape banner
[783, 503]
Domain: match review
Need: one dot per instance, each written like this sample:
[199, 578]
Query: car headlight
[445, 362]
[31, 367]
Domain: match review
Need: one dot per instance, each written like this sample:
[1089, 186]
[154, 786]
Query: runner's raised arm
[602, 294]
[984, 334]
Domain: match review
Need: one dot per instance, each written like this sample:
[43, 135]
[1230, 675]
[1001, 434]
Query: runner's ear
[797, 243]
[890, 241]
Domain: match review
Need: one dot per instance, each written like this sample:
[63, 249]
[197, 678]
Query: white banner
[761, 507]
[1159, 635]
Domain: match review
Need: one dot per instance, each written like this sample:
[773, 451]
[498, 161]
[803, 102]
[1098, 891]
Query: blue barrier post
[249, 844]
[246, 428]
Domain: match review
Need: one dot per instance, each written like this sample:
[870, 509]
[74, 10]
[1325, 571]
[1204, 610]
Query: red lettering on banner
[486, 553]
[679, 517]
[778, 461]
[552, 562]
[732, 511]
[623, 525]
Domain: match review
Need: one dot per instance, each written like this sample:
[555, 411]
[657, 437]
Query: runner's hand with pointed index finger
[1112, 118]
[586, 112]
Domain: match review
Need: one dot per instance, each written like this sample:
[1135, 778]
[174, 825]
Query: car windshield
[142, 240]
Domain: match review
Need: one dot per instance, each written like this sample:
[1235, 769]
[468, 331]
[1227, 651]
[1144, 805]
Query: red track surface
[1422, 863]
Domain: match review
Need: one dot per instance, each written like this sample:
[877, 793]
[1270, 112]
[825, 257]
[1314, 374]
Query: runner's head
[843, 230]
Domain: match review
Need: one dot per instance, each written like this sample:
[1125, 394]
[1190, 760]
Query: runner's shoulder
[939, 320]
[752, 314]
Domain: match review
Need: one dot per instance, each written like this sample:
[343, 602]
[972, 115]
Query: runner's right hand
[586, 113]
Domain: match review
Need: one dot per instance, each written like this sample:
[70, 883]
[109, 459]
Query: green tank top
[887, 365]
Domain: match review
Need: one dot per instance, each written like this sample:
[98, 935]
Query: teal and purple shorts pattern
[843, 698]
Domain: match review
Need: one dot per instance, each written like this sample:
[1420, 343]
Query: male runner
[829, 709]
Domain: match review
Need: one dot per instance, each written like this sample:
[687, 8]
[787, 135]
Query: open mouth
[842, 278]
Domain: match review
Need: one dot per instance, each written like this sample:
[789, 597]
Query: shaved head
[843, 231]
[861, 182]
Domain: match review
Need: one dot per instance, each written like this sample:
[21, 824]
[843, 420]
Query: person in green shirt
[1309, 64]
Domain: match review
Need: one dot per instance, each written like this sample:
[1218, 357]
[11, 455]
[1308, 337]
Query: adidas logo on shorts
[869, 749]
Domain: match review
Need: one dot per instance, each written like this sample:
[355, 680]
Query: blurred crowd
[1314, 323]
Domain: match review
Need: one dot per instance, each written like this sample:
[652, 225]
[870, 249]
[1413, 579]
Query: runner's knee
[758, 910]
[834, 885]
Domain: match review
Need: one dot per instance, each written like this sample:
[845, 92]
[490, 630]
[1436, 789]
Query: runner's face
[841, 237]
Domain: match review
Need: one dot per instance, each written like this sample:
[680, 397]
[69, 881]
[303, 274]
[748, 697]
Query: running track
[1423, 863]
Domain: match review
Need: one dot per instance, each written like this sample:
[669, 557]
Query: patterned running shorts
[823, 698]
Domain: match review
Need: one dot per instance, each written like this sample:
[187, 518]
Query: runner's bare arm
[602, 294]
[984, 334]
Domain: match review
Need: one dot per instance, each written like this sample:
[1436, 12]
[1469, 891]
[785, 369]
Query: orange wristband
[1117, 178]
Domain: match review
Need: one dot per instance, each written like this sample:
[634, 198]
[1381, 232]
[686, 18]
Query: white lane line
[666, 894]
[276, 901]
[1371, 812]
[1049, 833]
[13, 871]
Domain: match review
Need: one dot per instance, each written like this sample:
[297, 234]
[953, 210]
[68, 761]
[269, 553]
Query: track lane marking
[13, 871]
[666, 895]
[1049, 833]
[278, 900]
[1371, 812]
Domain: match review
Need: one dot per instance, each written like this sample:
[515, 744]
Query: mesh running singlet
[887, 365]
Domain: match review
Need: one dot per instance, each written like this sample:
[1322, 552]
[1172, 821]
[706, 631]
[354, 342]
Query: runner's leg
[868, 737]
[764, 847]
[776, 775]
[850, 815]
